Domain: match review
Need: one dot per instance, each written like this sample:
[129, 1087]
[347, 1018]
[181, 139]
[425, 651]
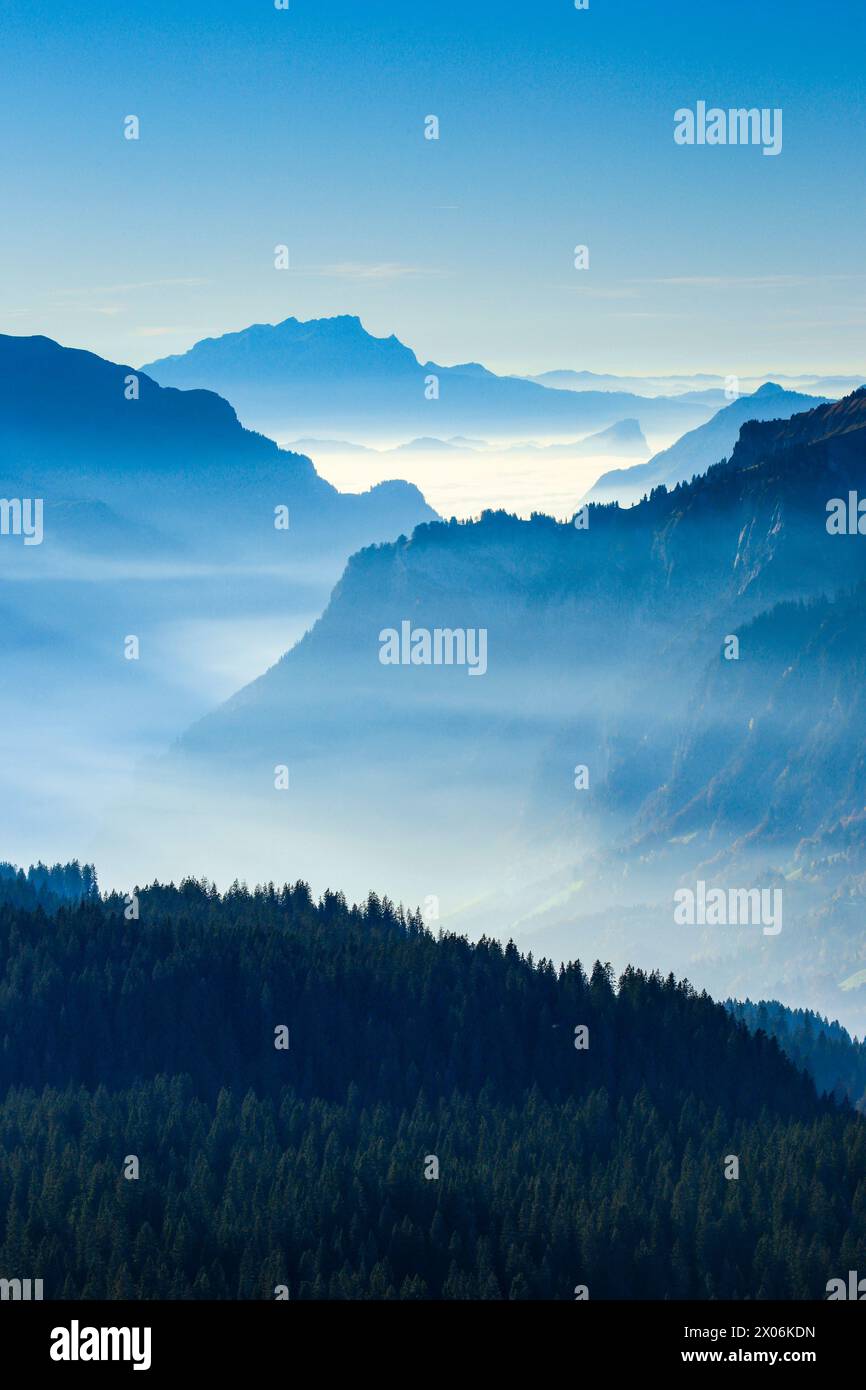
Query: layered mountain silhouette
[163, 579]
[75, 429]
[327, 375]
[604, 649]
[697, 386]
[700, 448]
[624, 439]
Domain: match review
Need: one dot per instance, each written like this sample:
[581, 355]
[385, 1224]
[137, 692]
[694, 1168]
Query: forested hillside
[311, 1166]
[835, 1061]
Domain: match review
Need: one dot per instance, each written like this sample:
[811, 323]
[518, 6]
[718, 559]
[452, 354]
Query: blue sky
[305, 127]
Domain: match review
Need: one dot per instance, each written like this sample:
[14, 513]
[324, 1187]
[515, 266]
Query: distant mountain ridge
[619, 440]
[700, 448]
[700, 385]
[296, 378]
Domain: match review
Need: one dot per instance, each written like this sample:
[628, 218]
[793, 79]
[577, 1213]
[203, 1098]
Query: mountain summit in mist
[328, 375]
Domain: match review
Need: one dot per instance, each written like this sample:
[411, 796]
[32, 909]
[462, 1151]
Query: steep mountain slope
[764, 782]
[729, 544]
[177, 461]
[603, 649]
[159, 524]
[324, 375]
[784, 724]
[698, 450]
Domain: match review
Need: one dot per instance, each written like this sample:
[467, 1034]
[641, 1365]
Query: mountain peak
[331, 375]
[770, 388]
[331, 321]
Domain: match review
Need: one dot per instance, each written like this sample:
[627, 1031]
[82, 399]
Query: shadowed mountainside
[604, 648]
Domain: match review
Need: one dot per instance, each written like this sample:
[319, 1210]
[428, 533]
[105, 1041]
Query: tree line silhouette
[262, 1167]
